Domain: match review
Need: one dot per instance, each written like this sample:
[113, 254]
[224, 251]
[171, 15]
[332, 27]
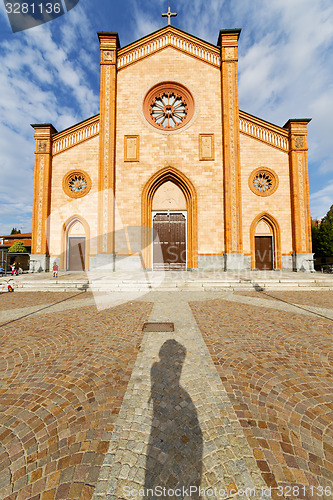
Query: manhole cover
[158, 327]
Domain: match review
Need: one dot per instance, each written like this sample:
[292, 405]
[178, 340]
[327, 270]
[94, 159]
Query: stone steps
[173, 285]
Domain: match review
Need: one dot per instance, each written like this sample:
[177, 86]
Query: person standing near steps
[55, 270]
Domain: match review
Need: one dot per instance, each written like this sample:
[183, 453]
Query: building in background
[6, 259]
[171, 154]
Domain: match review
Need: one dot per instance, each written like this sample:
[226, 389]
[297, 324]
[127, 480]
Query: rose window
[168, 106]
[168, 110]
[76, 183]
[263, 182]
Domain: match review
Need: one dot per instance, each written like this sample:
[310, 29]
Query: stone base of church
[130, 263]
[233, 261]
[111, 262]
[303, 262]
[103, 261]
[211, 262]
[39, 263]
[287, 262]
[228, 262]
[247, 262]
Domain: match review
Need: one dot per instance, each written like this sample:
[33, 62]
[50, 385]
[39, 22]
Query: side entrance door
[264, 252]
[76, 253]
[171, 230]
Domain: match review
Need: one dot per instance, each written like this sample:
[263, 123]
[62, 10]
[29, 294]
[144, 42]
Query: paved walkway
[238, 398]
[176, 434]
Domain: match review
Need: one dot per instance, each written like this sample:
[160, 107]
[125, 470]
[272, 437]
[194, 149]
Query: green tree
[15, 231]
[325, 235]
[17, 247]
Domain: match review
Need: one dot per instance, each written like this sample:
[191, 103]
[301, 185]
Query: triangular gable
[169, 36]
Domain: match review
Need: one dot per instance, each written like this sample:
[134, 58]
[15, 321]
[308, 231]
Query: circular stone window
[168, 106]
[76, 183]
[263, 182]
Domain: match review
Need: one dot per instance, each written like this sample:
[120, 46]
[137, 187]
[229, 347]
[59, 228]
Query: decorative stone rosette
[263, 182]
[168, 106]
[76, 183]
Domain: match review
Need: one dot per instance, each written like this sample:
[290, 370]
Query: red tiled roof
[10, 239]
[8, 244]
[16, 236]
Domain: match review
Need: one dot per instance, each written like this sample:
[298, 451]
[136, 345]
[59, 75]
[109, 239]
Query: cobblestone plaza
[236, 402]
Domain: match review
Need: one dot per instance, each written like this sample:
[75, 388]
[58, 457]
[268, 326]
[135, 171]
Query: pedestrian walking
[16, 268]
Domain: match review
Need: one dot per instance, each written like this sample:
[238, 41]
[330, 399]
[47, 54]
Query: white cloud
[285, 66]
[43, 79]
[144, 22]
[15, 215]
[288, 74]
[321, 201]
[50, 74]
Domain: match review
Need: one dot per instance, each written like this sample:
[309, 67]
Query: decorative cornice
[296, 120]
[235, 31]
[75, 135]
[104, 35]
[168, 37]
[49, 126]
[264, 131]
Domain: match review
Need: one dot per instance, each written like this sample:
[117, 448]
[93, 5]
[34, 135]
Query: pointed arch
[66, 227]
[273, 224]
[188, 190]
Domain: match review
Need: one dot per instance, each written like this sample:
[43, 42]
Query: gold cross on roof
[169, 14]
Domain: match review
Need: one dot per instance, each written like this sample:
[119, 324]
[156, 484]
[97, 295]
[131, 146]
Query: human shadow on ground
[174, 455]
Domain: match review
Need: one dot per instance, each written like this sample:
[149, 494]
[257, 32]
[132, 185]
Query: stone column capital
[228, 43]
[43, 136]
[109, 44]
[297, 128]
[228, 37]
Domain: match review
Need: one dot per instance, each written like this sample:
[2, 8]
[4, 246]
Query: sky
[50, 74]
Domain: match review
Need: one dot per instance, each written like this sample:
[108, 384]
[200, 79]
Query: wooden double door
[264, 252]
[169, 241]
[76, 253]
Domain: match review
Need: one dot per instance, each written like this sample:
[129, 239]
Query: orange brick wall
[82, 156]
[255, 154]
[180, 150]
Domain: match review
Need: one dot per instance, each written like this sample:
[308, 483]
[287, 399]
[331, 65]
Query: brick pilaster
[42, 187]
[228, 42]
[299, 185]
[109, 44]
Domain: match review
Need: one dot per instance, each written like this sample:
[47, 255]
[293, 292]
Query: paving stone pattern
[277, 370]
[90, 404]
[318, 298]
[15, 300]
[63, 378]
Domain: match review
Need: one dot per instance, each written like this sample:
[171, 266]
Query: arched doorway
[175, 206]
[265, 243]
[75, 255]
[169, 221]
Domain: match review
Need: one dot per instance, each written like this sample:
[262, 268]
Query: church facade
[171, 174]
